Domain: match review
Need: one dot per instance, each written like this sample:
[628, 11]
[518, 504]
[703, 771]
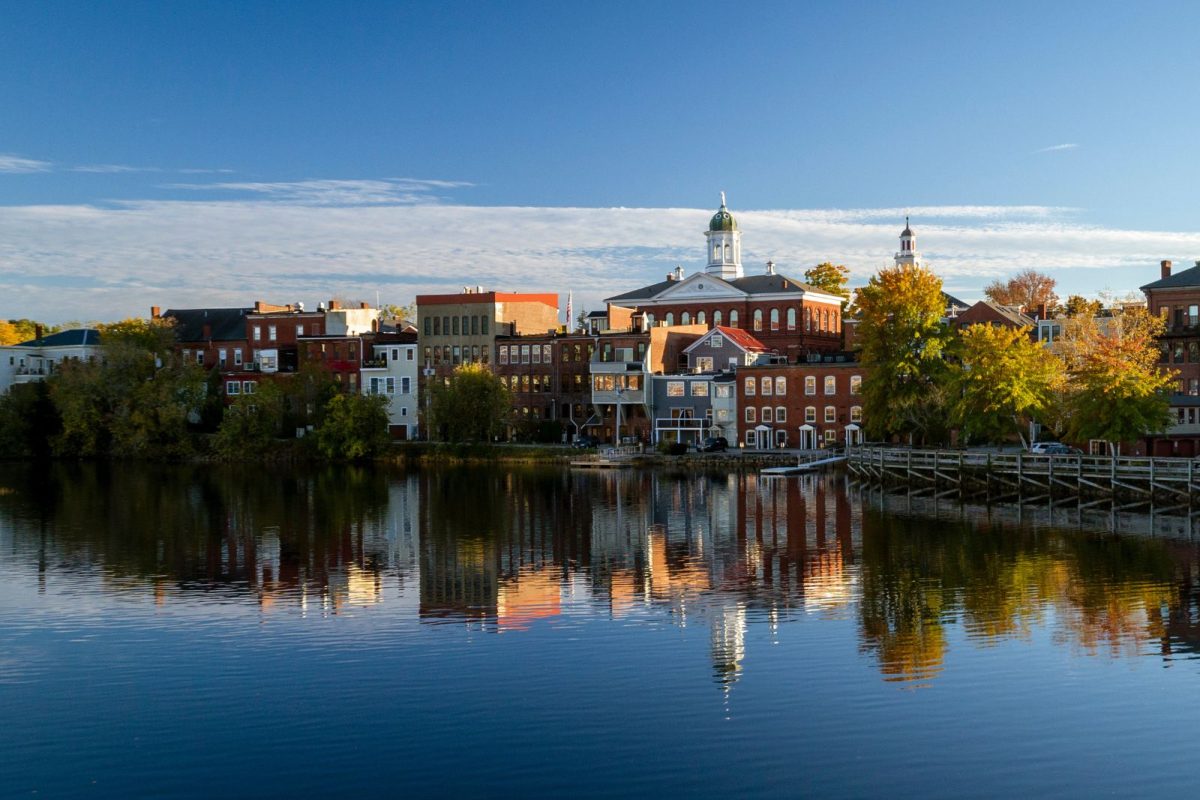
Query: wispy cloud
[1054, 148]
[388, 191]
[18, 164]
[222, 252]
[111, 168]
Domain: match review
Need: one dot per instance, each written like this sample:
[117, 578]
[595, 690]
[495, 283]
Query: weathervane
[722, 199]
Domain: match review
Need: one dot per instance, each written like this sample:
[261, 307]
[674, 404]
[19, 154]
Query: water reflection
[513, 551]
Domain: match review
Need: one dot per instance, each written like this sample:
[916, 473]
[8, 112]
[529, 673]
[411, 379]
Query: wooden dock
[813, 463]
[1175, 480]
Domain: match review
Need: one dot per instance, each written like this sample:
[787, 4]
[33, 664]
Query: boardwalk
[1133, 477]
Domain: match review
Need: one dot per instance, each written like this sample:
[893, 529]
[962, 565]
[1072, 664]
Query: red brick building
[806, 406]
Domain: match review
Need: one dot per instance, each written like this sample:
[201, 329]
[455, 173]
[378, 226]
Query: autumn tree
[354, 426]
[1077, 305]
[1116, 390]
[1002, 379]
[902, 340]
[1027, 289]
[829, 277]
[15, 331]
[472, 407]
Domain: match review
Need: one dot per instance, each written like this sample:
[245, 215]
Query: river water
[227, 632]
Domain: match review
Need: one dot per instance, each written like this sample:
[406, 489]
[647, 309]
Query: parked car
[584, 441]
[714, 444]
[1040, 447]
[1059, 449]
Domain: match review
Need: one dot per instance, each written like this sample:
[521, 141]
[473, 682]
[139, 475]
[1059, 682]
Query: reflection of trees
[999, 582]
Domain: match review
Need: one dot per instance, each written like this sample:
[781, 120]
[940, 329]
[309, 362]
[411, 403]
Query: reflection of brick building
[800, 405]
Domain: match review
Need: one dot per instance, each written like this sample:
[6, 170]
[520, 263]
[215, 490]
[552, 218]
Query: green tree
[902, 340]
[252, 422]
[830, 277]
[1116, 390]
[1027, 289]
[28, 421]
[1003, 378]
[473, 406]
[355, 426]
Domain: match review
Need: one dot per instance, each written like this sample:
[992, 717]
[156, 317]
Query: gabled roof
[739, 337]
[75, 337]
[1180, 280]
[226, 324]
[950, 300]
[1007, 312]
[646, 292]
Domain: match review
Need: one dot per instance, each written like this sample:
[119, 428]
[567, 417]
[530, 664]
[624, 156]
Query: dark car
[717, 444]
[585, 441]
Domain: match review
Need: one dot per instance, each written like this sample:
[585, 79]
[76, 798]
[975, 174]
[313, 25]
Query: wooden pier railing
[1177, 479]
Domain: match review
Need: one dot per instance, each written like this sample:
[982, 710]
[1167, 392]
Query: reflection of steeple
[728, 643]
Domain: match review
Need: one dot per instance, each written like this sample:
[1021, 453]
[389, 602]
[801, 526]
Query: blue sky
[248, 140]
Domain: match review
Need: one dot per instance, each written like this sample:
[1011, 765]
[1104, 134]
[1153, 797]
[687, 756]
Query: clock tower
[724, 245]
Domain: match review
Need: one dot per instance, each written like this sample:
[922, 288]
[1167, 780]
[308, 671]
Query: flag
[570, 313]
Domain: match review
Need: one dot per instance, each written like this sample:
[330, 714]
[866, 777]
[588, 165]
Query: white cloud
[17, 164]
[86, 262]
[1054, 148]
[335, 192]
[110, 169]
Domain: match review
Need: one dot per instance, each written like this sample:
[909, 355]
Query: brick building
[210, 337]
[1176, 298]
[807, 406]
[785, 314]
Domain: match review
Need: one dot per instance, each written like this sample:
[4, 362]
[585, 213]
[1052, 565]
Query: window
[724, 390]
[716, 340]
[855, 384]
[200, 357]
[774, 319]
[466, 325]
[546, 353]
[271, 333]
[831, 413]
[475, 353]
[830, 436]
[723, 415]
[457, 355]
[733, 318]
[299, 330]
[810, 414]
[749, 391]
[474, 326]
[233, 387]
[750, 438]
[765, 387]
[699, 388]
[248, 387]
[524, 354]
[503, 354]
[406, 385]
[537, 354]
[781, 386]
[258, 333]
[437, 326]
[404, 411]
[408, 354]
[791, 319]
[669, 319]
[674, 388]
[1193, 315]
[758, 319]
[704, 363]
[446, 325]
[428, 327]
[830, 384]
[716, 318]
[685, 318]
[483, 326]
[454, 325]
[767, 416]
[810, 384]
[856, 414]
[222, 357]
[700, 317]
[780, 414]
[750, 414]
[808, 319]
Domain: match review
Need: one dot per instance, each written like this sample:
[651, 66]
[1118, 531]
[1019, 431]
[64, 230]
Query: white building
[32, 361]
[392, 372]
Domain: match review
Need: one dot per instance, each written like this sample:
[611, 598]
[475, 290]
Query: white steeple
[724, 245]
[908, 257]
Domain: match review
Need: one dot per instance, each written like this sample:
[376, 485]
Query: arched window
[685, 318]
[699, 317]
[808, 320]
[716, 318]
[758, 319]
[824, 321]
[669, 318]
[774, 319]
[716, 256]
[649, 320]
[733, 318]
[728, 252]
[791, 319]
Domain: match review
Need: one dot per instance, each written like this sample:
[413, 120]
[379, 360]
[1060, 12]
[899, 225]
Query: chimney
[207, 332]
[334, 305]
[155, 312]
[1166, 269]
[258, 304]
[363, 305]
[37, 332]
[1041, 311]
[670, 276]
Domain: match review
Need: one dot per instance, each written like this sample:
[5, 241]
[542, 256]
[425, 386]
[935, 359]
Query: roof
[1007, 312]
[739, 337]
[1186, 278]
[76, 337]
[486, 297]
[722, 220]
[950, 300]
[751, 284]
[597, 314]
[225, 324]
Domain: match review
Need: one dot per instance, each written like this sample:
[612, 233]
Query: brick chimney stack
[1041, 311]
[334, 305]
[155, 312]
[1166, 269]
[37, 333]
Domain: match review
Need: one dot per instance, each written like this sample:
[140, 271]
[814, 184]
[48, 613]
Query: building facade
[807, 406]
[40, 357]
[392, 371]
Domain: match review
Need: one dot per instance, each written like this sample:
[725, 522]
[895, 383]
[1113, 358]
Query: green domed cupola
[722, 220]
